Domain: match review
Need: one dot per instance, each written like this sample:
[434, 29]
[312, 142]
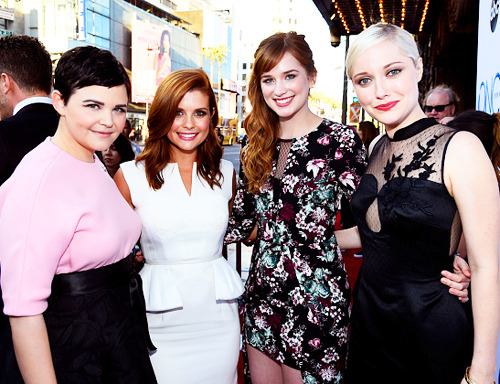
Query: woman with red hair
[183, 191]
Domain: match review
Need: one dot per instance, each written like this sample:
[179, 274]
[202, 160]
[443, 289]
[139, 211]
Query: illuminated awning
[350, 17]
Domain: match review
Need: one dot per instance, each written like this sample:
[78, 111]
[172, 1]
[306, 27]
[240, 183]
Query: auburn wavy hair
[262, 123]
[157, 150]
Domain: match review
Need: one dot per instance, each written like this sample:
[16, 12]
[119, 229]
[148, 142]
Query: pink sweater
[58, 215]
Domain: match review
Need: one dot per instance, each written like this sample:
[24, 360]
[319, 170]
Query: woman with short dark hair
[66, 236]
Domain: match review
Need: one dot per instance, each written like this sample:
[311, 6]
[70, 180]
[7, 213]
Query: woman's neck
[298, 125]
[64, 140]
[416, 115]
[183, 160]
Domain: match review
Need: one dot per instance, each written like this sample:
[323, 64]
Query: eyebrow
[196, 109]
[101, 103]
[285, 73]
[93, 101]
[385, 67]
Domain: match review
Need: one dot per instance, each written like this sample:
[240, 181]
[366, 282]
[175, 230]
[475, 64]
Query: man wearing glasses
[441, 103]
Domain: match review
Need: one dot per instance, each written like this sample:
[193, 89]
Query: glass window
[98, 23]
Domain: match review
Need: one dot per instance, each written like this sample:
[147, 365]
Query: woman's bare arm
[470, 179]
[31, 344]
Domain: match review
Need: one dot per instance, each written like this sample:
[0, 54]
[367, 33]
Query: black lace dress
[406, 326]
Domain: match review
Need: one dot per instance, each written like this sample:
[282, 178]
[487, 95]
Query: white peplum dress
[190, 290]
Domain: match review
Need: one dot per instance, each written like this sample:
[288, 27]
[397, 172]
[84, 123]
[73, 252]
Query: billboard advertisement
[488, 57]
[488, 73]
[151, 61]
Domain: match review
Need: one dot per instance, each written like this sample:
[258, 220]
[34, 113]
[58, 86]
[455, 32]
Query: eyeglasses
[438, 108]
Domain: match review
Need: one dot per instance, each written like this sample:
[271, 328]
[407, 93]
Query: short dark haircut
[26, 60]
[86, 66]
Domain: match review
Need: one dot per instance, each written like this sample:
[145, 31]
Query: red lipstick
[386, 107]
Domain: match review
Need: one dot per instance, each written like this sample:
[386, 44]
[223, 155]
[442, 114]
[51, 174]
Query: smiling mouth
[386, 107]
[284, 102]
[187, 136]
[102, 134]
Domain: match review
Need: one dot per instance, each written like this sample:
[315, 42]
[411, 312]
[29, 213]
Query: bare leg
[263, 369]
[291, 375]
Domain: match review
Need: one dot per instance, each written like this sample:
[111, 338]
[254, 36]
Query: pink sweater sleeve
[33, 236]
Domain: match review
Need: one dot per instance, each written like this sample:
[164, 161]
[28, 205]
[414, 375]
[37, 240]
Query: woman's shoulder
[47, 162]
[329, 125]
[226, 166]
[332, 133]
[133, 168]
[337, 130]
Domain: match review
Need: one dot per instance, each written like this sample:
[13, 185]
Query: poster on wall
[151, 60]
[488, 73]
[488, 57]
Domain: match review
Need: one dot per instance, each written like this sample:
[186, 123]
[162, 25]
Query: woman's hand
[459, 280]
[250, 240]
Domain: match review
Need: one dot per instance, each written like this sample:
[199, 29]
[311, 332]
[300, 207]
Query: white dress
[190, 290]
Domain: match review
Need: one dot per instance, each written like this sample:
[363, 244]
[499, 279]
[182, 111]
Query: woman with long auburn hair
[297, 166]
[158, 150]
[183, 191]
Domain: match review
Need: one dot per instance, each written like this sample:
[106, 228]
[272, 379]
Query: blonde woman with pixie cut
[424, 183]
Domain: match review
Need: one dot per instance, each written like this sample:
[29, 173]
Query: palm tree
[220, 54]
[211, 53]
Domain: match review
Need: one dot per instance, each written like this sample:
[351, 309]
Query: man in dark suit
[25, 107]
[27, 118]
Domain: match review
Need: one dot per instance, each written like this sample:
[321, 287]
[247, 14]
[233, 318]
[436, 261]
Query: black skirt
[96, 322]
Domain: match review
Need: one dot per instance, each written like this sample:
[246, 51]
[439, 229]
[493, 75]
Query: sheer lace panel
[456, 233]
[284, 150]
[418, 157]
[372, 217]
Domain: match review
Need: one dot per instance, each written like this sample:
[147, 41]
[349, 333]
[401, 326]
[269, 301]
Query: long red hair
[262, 123]
[156, 154]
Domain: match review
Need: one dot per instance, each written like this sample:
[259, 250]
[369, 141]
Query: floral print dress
[297, 297]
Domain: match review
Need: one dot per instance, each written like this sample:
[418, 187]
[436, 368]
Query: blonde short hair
[376, 34]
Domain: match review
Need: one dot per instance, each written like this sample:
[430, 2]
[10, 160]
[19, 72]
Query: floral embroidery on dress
[418, 162]
[297, 298]
[398, 195]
